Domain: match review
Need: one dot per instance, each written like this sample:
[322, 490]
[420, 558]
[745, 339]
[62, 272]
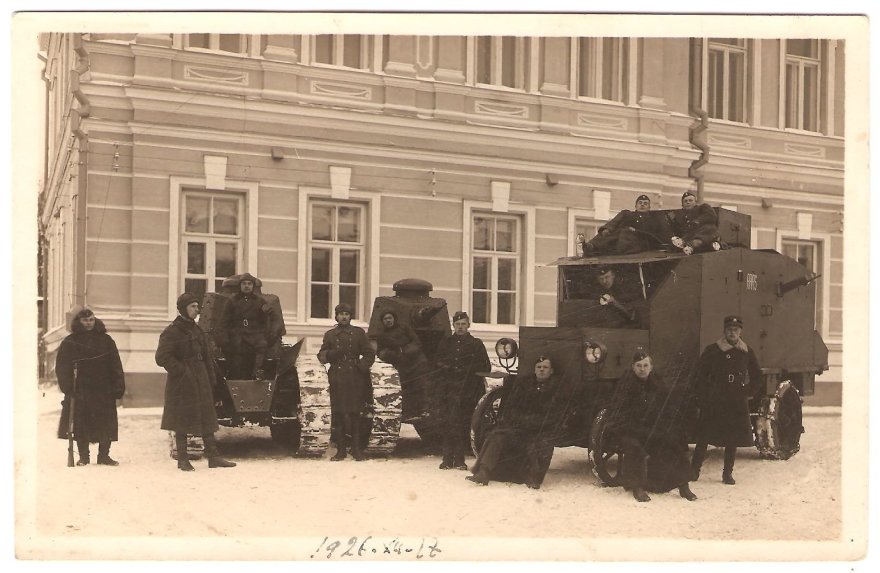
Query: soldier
[694, 227]
[189, 396]
[644, 419]
[350, 355]
[90, 374]
[244, 330]
[726, 376]
[459, 358]
[399, 345]
[630, 231]
[520, 448]
[613, 306]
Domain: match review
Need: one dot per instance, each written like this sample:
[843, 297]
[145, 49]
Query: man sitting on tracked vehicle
[694, 227]
[630, 231]
[643, 419]
[243, 331]
[520, 448]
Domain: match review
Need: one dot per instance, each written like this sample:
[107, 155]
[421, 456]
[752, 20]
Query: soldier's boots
[83, 460]
[477, 479]
[458, 463]
[218, 462]
[684, 491]
[182, 456]
[446, 463]
[213, 454]
[640, 494]
[727, 478]
[184, 465]
[341, 447]
[106, 460]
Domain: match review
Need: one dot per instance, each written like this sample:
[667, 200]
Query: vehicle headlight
[506, 348]
[594, 352]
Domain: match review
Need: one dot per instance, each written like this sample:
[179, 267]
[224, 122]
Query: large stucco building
[333, 165]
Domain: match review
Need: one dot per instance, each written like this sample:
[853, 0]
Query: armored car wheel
[604, 454]
[485, 417]
[779, 424]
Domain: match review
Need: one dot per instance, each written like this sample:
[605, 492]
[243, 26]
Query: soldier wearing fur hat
[349, 352]
[644, 418]
[243, 330]
[90, 372]
[726, 376]
[630, 231]
[189, 396]
[694, 226]
[398, 344]
[458, 359]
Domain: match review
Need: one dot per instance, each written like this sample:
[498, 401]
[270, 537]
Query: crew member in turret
[631, 231]
[612, 304]
[694, 226]
[244, 331]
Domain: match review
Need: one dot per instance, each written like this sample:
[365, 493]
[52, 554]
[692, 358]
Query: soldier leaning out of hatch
[244, 331]
[630, 231]
[694, 227]
[399, 345]
[613, 304]
[645, 420]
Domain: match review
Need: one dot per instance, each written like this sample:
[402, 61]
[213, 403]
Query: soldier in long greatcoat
[399, 345]
[348, 351]
[189, 397]
[89, 369]
[458, 360]
[725, 378]
[694, 227]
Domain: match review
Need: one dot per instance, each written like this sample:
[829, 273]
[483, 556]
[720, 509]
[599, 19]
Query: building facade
[333, 165]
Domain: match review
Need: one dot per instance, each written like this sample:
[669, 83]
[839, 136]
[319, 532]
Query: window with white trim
[337, 253]
[212, 238]
[230, 43]
[803, 69]
[342, 50]
[727, 79]
[495, 269]
[501, 61]
[808, 254]
[602, 65]
[586, 227]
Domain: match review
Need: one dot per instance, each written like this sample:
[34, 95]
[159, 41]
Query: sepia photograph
[439, 287]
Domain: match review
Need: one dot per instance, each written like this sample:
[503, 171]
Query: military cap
[185, 300]
[460, 315]
[642, 198]
[247, 277]
[343, 307]
[733, 320]
[640, 354]
[687, 194]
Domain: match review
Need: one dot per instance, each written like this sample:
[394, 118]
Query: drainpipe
[76, 117]
[697, 134]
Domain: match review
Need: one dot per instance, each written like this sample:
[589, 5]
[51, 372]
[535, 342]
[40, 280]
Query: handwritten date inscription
[355, 547]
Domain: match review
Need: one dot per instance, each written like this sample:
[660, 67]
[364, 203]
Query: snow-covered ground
[276, 506]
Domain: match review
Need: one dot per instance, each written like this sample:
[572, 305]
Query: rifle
[71, 411]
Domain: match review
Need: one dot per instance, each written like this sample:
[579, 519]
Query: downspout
[697, 133]
[42, 245]
[76, 117]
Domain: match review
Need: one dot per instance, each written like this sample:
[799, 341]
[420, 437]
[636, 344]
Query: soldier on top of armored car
[631, 231]
[694, 226]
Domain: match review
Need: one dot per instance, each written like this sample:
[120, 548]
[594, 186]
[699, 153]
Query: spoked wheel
[604, 454]
[286, 435]
[779, 424]
[485, 417]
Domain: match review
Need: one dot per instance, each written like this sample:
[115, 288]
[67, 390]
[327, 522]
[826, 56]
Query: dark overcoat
[350, 355]
[724, 379]
[245, 318]
[632, 232]
[699, 222]
[189, 398]
[458, 359]
[100, 381]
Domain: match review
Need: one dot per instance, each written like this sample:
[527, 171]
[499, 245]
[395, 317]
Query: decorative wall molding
[341, 90]
[602, 121]
[425, 52]
[804, 150]
[730, 141]
[501, 109]
[216, 75]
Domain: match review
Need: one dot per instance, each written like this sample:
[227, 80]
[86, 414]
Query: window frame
[822, 241]
[368, 52]
[595, 80]
[249, 45]
[524, 50]
[821, 107]
[576, 217]
[495, 256]
[747, 50]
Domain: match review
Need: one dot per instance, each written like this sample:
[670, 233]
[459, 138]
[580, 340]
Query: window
[727, 79]
[802, 73]
[495, 269]
[232, 43]
[212, 239]
[586, 227]
[602, 68]
[808, 254]
[343, 50]
[501, 61]
[336, 257]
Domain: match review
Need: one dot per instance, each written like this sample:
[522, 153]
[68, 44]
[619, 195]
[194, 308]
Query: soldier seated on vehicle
[613, 304]
[644, 422]
[399, 345]
[694, 227]
[631, 231]
[243, 331]
[519, 449]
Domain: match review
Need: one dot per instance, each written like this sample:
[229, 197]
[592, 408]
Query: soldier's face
[606, 279]
[344, 318]
[461, 326]
[388, 320]
[247, 287]
[192, 310]
[87, 322]
[543, 370]
[642, 368]
[689, 202]
[732, 334]
[643, 205]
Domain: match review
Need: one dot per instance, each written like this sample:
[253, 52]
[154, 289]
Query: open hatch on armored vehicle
[673, 305]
